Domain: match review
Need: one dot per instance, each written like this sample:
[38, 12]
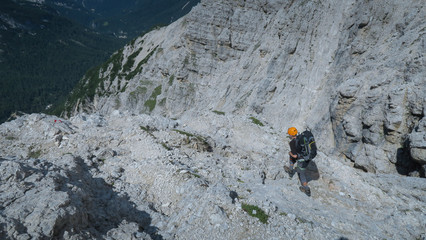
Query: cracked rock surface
[143, 177]
[352, 71]
[182, 133]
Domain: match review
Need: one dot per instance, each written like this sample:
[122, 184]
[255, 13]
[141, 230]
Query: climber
[295, 150]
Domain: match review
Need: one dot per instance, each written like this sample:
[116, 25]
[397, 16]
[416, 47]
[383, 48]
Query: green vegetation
[162, 102]
[256, 121]
[218, 112]
[131, 60]
[186, 60]
[139, 68]
[53, 47]
[184, 133]
[195, 175]
[302, 220]
[34, 154]
[10, 138]
[145, 60]
[42, 61]
[148, 130]
[116, 62]
[152, 101]
[256, 47]
[200, 138]
[255, 211]
[171, 79]
[166, 146]
[86, 88]
[139, 91]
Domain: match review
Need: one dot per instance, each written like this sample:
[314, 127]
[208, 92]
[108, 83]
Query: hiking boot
[306, 190]
[290, 172]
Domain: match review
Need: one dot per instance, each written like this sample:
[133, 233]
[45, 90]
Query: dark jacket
[296, 149]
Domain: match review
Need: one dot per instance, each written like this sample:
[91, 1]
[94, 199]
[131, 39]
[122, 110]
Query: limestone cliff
[352, 71]
[182, 133]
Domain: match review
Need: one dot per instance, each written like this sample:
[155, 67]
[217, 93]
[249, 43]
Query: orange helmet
[292, 131]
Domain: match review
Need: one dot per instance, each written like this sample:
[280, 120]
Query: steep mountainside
[43, 55]
[182, 133]
[352, 71]
[47, 46]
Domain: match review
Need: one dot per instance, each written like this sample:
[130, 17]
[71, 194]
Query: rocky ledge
[213, 177]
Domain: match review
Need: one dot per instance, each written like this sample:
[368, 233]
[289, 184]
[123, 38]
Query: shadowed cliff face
[352, 71]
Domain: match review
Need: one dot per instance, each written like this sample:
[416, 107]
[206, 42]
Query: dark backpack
[306, 143]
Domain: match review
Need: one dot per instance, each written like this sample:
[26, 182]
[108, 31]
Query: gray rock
[236, 74]
[371, 84]
[418, 143]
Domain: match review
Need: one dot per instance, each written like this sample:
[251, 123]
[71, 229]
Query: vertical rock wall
[352, 71]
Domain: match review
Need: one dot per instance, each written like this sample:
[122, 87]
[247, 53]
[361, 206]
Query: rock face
[181, 134]
[61, 199]
[418, 143]
[352, 71]
[150, 177]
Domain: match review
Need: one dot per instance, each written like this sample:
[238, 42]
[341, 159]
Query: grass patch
[256, 212]
[148, 130]
[201, 140]
[171, 79]
[184, 133]
[139, 91]
[34, 154]
[152, 101]
[190, 135]
[145, 60]
[186, 61]
[131, 60]
[162, 102]
[165, 146]
[303, 221]
[257, 121]
[195, 175]
[139, 68]
[218, 112]
[137, 94]
[10, 138]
